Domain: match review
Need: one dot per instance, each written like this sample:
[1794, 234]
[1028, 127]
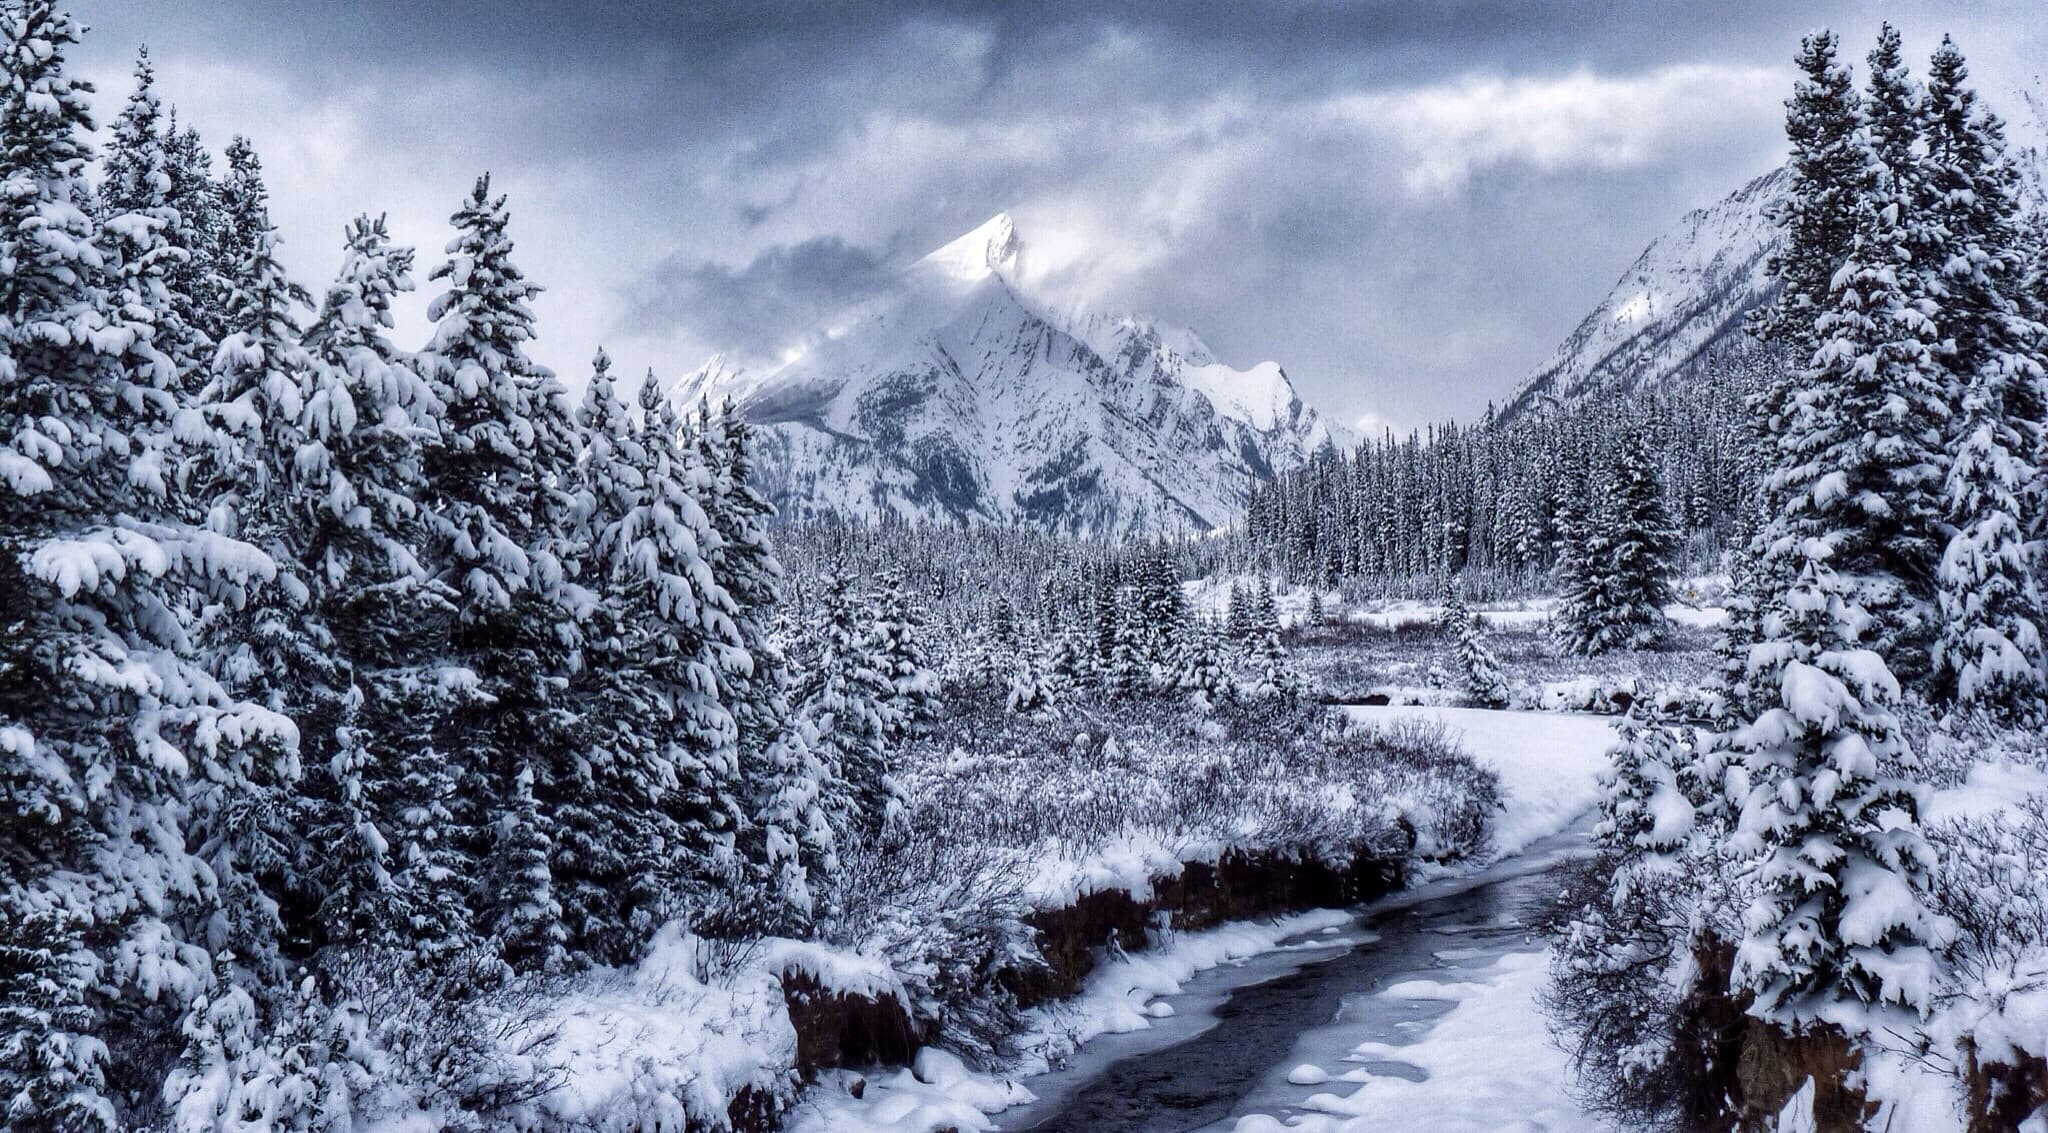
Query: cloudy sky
[1408, 204]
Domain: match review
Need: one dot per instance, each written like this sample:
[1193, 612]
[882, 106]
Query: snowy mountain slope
[1690, 288]
[957, 395]
[1685, 293]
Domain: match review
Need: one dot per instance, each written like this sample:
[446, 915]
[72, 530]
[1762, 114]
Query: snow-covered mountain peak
[958, 392]
[993, 247]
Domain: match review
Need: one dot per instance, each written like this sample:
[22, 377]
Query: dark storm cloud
[1408, 203]
[754, 306]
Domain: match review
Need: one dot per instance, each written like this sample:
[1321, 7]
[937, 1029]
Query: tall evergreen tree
[901, 655]
[1989, 652]
[1860, 463]
[497, 513]
[1831, 807]
[664, 802]
[267, 646]
[788, 839]
[146, 174]
[195, 282]
[385, 877]
[1817, 214]
[1579, 624]
[848, 701]
[1640, 542]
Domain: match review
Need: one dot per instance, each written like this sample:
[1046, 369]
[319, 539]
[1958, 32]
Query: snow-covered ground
[1549, 763]
[1698, 605]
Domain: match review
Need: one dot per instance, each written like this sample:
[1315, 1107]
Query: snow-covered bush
[1992, 881]
[460, 1039]
[1618, 974]
[1101, 780]
[948, 918]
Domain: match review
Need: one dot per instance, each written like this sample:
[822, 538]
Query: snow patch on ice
[1489, 1066]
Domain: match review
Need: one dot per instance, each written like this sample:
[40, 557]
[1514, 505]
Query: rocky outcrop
[837, 1028]
[2003, 1094]
[1742, 1070]
[1776, 1064]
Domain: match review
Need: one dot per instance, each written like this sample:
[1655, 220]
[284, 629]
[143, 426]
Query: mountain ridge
[958, 394]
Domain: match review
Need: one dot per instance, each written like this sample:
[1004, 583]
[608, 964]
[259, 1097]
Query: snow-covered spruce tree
[1065, 667]
[1002, 625]
[1273, 678]
[900, 654]
[1645, 809]
[1579, 623]
[104, 713]
[268, 646]
[787, 841]
[1200, 673]
[385, 875]
[1237, 617]
[143, 176]
[1160, 613]
[848, 701]
[287, 1067]
[497, 516]
[525, 916]
[1118, 659]
[196, 282]
[1817, 214]
[1734, 701]
[1988, 655]
[1829, 814]
[1860, 463]
[678, 634]
[1830, 174]
[1265, 610]
[609, 822]
[1619, 967]
[1029, 692]
[1817, 218]
[1639, 543]
[1480, 669]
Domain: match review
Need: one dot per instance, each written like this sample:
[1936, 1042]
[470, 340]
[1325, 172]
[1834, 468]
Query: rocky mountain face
[1686, 294]
[957, 395]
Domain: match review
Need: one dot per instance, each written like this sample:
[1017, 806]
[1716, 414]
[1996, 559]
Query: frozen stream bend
[1425, 1020]
[1417, 1012]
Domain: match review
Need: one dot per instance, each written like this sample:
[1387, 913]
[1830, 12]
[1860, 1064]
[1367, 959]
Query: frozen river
[1420, 1016]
